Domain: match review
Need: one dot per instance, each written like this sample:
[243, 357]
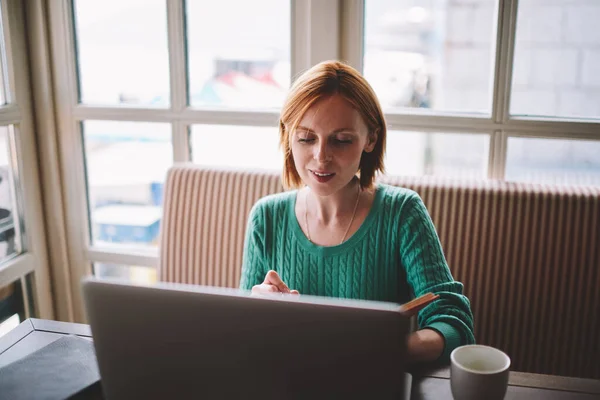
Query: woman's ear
[371, 141]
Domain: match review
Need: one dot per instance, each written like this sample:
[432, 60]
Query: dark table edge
[530, 380]
[523, 379]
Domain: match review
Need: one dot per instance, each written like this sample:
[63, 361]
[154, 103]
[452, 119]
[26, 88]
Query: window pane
[12, 307]
[236, 146]
[558, 161]
[451, 155]
[122, 52]
[238, 52]
[431, 54]
[132, 273]
[557, 59]
[10, 240]
[126, 164]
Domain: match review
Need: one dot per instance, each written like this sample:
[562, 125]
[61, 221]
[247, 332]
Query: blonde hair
[323, 80]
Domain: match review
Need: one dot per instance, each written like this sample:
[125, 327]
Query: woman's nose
[322, 153]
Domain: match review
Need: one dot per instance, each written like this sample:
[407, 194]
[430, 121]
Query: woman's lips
[322, 176]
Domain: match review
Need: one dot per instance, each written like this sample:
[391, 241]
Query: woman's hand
[425, 345]
[272, 285]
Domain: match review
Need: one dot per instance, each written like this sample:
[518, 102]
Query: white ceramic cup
[478, 372]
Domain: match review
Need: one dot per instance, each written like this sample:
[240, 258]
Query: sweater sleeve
[427, 271]
[253, 265]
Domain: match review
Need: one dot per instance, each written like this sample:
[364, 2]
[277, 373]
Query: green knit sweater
[394, 256]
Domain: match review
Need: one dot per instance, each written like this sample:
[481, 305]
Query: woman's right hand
[272, 285]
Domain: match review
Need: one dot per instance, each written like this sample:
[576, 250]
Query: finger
[294, 292]
[273, 278]
[270, 289]
[264, 289]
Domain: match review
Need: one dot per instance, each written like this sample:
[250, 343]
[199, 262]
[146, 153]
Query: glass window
[431, 54]
[12, 307]
[122, 52]
[236, 146]
[440, 154]
[131, 273]
[10, 238]
[557, 59]
[555, 161]
[238, 53]
[126, 165]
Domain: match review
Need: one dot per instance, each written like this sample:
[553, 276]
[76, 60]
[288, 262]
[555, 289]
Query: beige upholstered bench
[528, 255]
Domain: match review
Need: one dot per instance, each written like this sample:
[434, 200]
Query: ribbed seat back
[528, 255]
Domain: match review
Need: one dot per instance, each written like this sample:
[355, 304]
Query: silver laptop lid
[182, 341]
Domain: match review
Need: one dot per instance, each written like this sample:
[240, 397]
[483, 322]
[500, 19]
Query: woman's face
[328, 144]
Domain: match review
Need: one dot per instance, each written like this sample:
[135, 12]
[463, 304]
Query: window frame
[17, 114]
[320, 30]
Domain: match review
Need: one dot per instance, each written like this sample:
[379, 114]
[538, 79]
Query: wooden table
[34, 334]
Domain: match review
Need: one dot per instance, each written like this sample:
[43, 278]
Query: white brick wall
[534, 102]
[590, 71]
[539, 24]
[522, 67]
[554, 152]
[579, 103]
[558, 50]
[553, 67]
[557, 57]
[561, 3]
[582, 24]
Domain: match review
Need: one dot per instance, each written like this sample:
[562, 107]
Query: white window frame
[320, 30]
[18, 112]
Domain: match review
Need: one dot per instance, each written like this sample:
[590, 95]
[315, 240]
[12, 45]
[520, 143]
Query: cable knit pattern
[395, 255]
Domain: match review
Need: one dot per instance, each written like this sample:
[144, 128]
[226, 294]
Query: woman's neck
[335, 206]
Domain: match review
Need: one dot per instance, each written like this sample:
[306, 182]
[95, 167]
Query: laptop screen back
[179, 341]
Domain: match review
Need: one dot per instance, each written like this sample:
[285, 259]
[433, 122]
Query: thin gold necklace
[349, 225]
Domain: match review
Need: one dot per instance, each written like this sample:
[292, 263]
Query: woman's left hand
[425, 345]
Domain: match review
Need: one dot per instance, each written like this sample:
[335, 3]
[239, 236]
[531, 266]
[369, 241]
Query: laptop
[185, 341]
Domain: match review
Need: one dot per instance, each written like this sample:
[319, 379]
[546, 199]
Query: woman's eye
[305, 140]
[339, 141]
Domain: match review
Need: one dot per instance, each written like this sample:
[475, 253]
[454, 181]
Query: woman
[341, 234]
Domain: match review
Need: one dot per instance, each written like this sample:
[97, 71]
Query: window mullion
[300, 35]
[352, 32]
[505, 46]
[497, 158]
[315, 33]
[177, 58]
[181, 142]
[503, 67]
[325, 28]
